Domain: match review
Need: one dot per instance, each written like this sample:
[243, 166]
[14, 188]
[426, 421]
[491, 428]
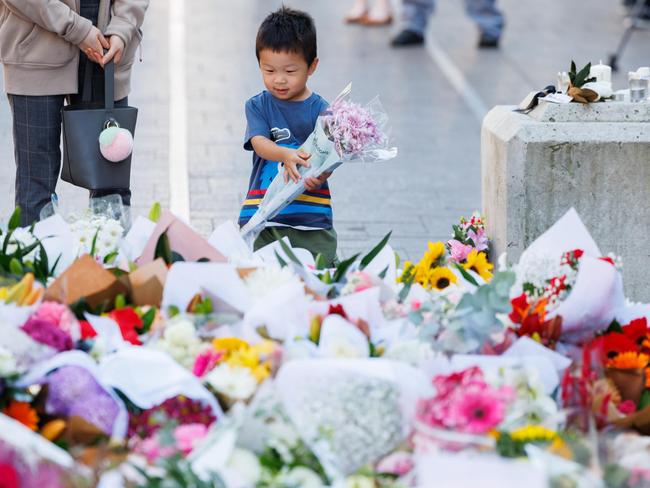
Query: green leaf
[382, 275]
[163, 249]
[15, 267]
[320, 262]
[342, 268]
[93, 247]
[583, 74]
[14, 220]
[110, 257]
[614, 327]
[120, 301]
[287, 250]
[367, 259]
[404, 293]
[148, 319]
[468, 277]
[173, 311]
[283, 263]
[56, 263]
[645, 400]
[177, 258]
[154, 212]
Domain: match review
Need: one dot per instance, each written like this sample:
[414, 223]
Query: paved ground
[436, 177]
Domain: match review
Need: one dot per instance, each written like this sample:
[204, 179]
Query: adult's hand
[94, 44]
[115, 50]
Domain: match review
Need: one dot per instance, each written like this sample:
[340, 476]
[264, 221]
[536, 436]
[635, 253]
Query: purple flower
[47, 333]
[73, 391]
[352, 128]
[479, 238]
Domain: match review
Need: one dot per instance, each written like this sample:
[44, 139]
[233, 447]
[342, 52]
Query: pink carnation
[459, 251]
[56, 314]
[206, 361]
[352, 128]
[188, 436]
[151, 449]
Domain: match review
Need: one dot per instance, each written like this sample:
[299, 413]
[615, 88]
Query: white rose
[246, 464]
[236, 383]
[182, 332]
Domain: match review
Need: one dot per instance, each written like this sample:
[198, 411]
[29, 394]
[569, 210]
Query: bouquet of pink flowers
[346, 132]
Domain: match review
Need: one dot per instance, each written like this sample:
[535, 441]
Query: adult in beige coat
[45, 47]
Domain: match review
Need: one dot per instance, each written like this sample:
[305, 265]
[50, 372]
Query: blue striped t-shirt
[288, 124]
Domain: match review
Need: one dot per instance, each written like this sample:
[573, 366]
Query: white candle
[601, 72]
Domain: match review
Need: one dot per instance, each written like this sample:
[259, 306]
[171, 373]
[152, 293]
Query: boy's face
[285, 74]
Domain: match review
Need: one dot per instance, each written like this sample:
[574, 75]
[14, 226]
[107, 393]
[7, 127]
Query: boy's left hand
[312, 183]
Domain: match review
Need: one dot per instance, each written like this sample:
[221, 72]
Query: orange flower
[23, 413]
[629, 360]
[647, 378]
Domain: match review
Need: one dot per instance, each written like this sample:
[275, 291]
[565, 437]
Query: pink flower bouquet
[346, 132]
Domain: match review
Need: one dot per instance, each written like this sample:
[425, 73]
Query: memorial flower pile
[197, 360]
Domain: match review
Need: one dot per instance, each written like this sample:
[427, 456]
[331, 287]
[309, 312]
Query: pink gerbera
[478, 411]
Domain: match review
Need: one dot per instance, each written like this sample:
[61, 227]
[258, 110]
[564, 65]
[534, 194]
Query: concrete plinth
[595, 158]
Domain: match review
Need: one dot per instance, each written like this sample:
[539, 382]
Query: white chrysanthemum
[235, 382]
[341, 339]
[181, 342]
[23, 237]
[268, 279]
[8, 365]
[105, 232]
[537, 268]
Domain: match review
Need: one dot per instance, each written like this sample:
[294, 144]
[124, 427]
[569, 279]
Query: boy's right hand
[94, 44]
[293, 159]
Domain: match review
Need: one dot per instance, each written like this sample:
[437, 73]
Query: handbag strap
[87, 89]
[109, 85]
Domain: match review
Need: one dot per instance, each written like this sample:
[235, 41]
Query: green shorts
[315, 241]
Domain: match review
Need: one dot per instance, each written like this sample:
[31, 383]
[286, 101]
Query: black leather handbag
[83, 163]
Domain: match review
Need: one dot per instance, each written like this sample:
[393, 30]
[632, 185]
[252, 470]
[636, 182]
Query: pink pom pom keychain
[115, 143]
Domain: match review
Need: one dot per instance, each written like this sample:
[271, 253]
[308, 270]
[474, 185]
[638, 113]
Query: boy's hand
[294, 158]
[312, 183]
[94, 44]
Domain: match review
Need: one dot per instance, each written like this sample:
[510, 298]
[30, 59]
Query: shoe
[407, 38]
[374, 22]
[356, 19]
[488, 42]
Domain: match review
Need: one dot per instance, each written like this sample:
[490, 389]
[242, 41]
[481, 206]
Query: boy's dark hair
[288, 30]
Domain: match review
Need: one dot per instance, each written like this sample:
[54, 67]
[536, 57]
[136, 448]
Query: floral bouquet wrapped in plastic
[346, 132]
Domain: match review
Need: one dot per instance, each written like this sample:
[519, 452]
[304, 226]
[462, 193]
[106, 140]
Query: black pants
[37, 137]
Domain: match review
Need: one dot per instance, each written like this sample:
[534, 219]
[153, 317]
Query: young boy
[279, 120]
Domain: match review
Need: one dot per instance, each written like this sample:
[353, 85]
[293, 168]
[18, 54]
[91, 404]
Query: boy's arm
[291, 158]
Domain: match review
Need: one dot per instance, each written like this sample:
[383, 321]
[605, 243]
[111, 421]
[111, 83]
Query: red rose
[636, 330]
[129, 323]
[87, 331]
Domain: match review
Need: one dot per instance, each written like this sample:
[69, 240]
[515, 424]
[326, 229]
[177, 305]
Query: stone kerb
[595, 158]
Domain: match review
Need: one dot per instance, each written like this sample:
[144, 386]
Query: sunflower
[441, 278]
[23, 413]
[432, 258]
[629, 360]
[477, 262]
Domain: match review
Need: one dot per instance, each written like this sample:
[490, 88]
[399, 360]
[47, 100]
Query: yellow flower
[433, 256]
[264, 348]
[441, 278]
[628, 360]
[245, 357]
[477, 262]
[261, 372]
[533, 433]
[229, 344]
